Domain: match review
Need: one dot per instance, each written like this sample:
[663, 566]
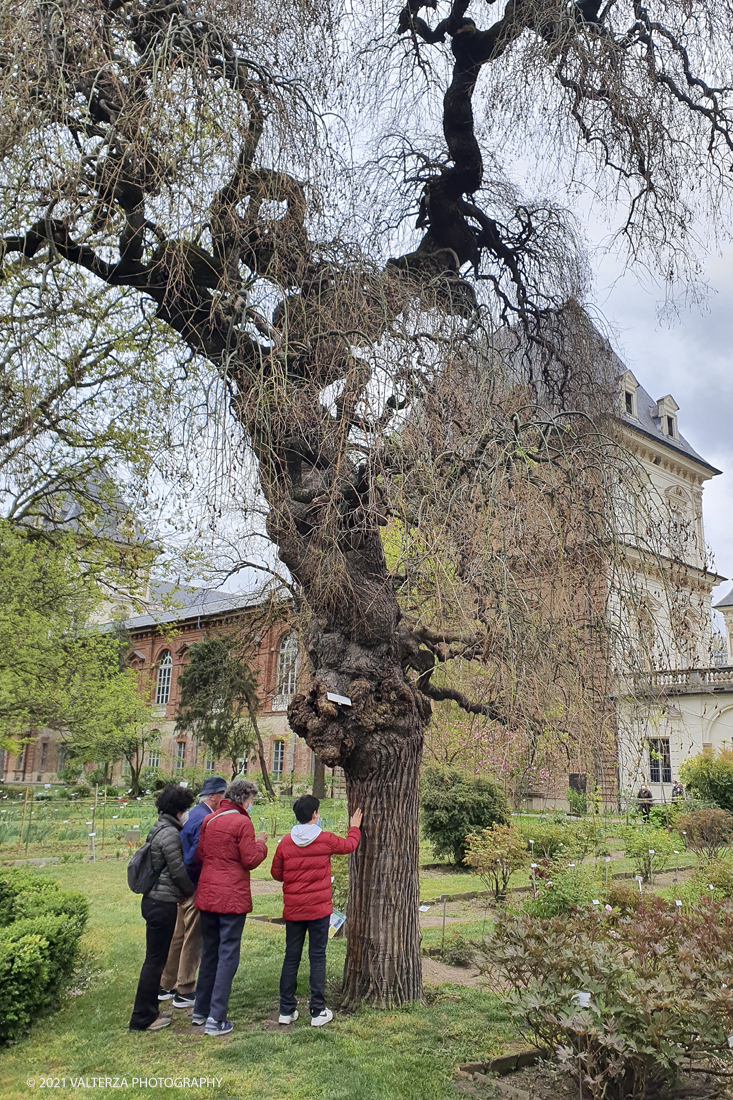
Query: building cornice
[672, 458]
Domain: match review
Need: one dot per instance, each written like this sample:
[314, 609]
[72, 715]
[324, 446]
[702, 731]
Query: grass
[406, 1054]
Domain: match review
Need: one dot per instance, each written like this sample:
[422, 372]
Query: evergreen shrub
[40, 929]
[709, 777]
[455, 804]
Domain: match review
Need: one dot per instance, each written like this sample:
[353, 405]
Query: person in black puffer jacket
[160, 905]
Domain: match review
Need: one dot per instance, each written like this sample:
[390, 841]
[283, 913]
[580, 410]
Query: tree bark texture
[383, 963]
[319, 778]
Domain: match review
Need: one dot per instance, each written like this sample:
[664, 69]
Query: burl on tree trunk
[378, 742]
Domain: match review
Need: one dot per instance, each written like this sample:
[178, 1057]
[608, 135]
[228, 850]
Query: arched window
[165, 670]
[287, 665]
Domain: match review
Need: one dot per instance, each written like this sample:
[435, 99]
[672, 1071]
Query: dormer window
[627, 395]
[666, 412]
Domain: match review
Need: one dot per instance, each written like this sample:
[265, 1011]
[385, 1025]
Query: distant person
[160, 905]
[645, 799]
[227, 851]
[302, 863]
[179, 977]
[678, 792]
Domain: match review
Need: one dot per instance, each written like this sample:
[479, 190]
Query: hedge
[40, 929]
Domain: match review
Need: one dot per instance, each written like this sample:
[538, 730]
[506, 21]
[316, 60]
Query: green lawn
[407, 1054]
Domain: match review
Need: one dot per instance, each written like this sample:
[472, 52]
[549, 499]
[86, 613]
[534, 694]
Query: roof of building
[649, 424]
[727, 601]
[95, 509]
[184, 603]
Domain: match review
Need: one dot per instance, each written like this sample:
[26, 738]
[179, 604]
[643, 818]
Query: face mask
[184, 818]
[320, 821]
[248, 810]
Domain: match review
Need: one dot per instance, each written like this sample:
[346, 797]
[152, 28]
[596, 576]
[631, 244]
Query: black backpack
[141, 876]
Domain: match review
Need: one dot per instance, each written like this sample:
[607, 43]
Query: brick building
[159, 645]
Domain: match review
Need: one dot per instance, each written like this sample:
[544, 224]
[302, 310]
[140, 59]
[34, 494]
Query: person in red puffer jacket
[227, 851]
[302, 863]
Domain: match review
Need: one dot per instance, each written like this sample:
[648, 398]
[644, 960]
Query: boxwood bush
[40, 929]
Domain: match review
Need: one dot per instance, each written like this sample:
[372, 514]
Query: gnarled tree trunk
[356, 650]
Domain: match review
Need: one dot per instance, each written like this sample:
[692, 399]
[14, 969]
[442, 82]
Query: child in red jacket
[302, 864]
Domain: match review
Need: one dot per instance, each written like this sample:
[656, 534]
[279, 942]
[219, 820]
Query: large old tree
[314, 200]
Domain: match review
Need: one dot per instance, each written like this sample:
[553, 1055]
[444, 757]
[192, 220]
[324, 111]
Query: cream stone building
[675, 695]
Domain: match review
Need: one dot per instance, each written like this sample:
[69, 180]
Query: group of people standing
[645, 798]
[196, 910]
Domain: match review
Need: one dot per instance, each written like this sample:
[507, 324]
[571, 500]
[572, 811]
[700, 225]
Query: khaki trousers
[184, 954]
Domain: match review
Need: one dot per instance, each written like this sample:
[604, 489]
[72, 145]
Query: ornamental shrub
[40, 929]
[658, 985]
[455, 804]
[566, 890]
[710, 777]
[638, 840]
[551, 838]
[707, 832]
[495, 854]
[717, 873]
[623, 897]
[562, 839]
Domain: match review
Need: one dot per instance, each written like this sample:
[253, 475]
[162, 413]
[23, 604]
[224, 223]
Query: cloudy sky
[690, 357]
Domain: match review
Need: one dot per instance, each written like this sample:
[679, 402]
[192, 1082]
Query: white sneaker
[289, 1019]
[325, 1017]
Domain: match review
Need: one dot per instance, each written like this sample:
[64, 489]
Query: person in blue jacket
[179, 977]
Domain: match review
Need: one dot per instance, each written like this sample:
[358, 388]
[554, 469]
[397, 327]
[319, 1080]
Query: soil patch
[437, 973]
[262, 886]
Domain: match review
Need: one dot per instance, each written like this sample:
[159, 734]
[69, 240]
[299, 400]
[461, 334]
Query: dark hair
[305, 807]
[174, 799]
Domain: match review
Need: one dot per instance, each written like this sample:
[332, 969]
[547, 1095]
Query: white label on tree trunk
[342, 700]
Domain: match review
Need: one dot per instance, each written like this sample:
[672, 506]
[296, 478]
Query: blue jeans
[295, 931]
[221, 935]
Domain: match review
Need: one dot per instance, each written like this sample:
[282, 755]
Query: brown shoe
[160, 1023]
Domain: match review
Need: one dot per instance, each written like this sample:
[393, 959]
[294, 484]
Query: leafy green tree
[107, 718]
[56, 669]
[219, 703]
[455, 804]
[709, 777]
